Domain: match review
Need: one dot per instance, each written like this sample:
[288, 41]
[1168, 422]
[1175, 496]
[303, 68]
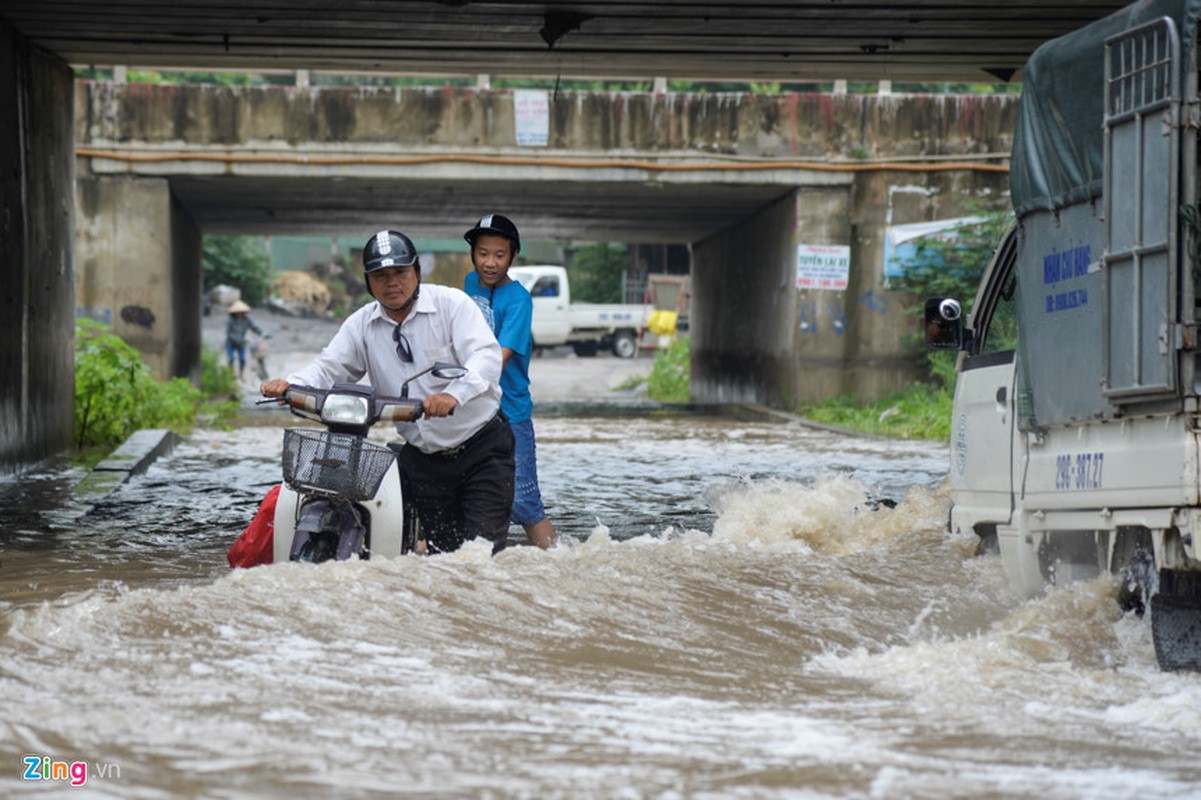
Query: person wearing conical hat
[236, 328]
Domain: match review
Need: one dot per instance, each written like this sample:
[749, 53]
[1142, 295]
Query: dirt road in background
[557, 376]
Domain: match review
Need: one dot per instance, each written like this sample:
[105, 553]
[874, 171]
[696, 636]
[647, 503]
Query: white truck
[587, 327]
[1076, 435]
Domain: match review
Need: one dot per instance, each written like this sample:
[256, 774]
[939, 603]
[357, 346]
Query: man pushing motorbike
[457, 463]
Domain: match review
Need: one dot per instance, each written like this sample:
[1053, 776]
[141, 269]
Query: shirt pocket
[435, 355]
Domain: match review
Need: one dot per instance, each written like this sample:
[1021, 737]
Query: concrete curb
[137, 453]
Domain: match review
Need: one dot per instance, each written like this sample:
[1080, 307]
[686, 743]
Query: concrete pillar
[139, 269]
[37, 173]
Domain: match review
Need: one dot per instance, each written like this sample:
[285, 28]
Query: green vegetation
[115, 394]
[596, 272]
[921, 412]
[668, 381]
[238, 261]
[632, 382]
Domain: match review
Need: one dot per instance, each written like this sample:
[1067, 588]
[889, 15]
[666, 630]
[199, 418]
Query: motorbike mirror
[441, 369]
[944, 323]
[448, 371]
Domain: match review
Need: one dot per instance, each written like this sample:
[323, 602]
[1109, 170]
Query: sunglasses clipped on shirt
[402, 346]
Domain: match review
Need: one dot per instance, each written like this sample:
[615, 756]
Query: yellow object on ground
[662, 323]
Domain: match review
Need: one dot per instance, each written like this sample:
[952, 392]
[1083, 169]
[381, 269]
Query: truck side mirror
[944, 323]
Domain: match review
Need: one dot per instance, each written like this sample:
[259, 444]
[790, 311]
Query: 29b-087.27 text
[1079, 470]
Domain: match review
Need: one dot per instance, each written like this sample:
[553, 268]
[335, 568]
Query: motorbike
[341, 496]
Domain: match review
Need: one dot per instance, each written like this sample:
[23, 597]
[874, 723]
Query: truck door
[552, 322]
[1140, 331]
[983, 426]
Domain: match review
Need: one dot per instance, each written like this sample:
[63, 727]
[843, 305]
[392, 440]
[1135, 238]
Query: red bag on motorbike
[254, 546]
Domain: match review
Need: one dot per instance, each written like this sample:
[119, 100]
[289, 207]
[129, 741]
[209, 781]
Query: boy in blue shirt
[508, 308]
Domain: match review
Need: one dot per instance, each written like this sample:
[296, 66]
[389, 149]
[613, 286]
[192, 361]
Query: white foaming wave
[1068, 655]
[835, 516]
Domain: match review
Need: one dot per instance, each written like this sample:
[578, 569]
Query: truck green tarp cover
[1058, 144]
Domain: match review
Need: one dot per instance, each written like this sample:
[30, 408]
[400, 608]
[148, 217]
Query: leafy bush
[216, 378]
[921, 412]
[596, 273]
[669, 378]
[239, 261]
[115, 394]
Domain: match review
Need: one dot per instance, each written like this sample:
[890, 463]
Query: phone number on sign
[1079, 470]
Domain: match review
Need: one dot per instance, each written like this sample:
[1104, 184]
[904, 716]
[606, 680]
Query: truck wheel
[585, 349]
[1176, 631]
[624, 344]
[1176, 621]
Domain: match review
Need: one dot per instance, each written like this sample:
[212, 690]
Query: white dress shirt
[443, 325]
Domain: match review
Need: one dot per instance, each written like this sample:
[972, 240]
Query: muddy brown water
[726, 616]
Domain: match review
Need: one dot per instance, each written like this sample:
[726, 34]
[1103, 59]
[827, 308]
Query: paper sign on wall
[531, 112]
[822, 266]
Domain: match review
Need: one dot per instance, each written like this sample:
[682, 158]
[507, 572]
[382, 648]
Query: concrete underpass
[109, 190]
[743, 180]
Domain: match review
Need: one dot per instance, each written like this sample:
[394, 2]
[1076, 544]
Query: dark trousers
[464, 494]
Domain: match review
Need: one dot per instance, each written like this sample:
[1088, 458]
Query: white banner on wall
[822, 266]
[531, 113]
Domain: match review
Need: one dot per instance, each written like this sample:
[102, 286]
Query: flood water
[725, 616]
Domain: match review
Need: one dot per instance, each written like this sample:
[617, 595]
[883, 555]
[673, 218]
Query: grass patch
[923, 411]
[632, 382]
[669, 378]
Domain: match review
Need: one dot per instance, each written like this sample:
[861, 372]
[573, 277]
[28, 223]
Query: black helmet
[498, 225]
[388, 249]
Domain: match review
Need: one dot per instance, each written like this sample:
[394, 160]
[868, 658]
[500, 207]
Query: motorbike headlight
[345, 409]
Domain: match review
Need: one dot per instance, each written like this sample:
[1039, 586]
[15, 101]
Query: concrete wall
[37, 279]
[756, 337]
[383, 120]
[139, 257]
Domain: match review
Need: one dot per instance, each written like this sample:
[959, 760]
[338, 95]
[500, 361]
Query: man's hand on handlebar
[274, 388]
[440, 405]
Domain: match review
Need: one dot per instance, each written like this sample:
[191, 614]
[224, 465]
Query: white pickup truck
[587, 327]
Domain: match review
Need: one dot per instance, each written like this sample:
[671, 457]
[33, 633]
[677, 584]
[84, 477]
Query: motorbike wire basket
[334, 463]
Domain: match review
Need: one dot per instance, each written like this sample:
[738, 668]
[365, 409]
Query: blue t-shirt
[509, 310]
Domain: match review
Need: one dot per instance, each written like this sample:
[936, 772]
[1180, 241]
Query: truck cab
[1074, 443]
[551, 295]
[586, 327]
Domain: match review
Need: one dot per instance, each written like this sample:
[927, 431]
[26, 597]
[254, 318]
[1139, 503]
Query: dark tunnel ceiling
[965, 40]
[546, 209]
